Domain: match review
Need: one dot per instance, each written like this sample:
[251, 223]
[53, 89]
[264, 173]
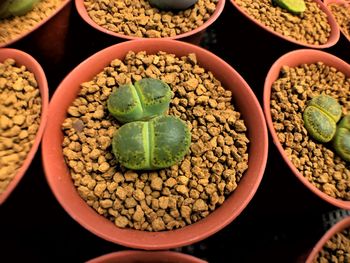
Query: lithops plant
[172, 4]
[16, 7]
[341, 142]
[293, 6]
[320, 117]
[145, 99]
[148, 145]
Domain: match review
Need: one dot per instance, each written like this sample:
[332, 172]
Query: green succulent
[328, 105]
[148, 145]
[145, 99]
[341, 142]
[172, 4]
[293, 6]
[320, 117]
[16, 7]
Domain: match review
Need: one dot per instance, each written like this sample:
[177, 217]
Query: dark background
[282, 222]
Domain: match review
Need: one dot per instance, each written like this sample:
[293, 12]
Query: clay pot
[340, 2]
[193, 36]
[333, 39]
[53, 28]
[293, 59]
[338, 227]
[146, 257]
[33, 66]
[60, 181]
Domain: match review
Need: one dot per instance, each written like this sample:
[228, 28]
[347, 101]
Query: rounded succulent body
[341, 142]
[147, 145]
[172, 4]
[320, 117]
[320, 126]
[16, 7]
[293, 6]
[145, 99]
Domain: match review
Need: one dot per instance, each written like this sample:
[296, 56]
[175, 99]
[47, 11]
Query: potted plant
[334, 244]
[341, 12]
[23, 115]
[144, 256]
[318, 165]
[29, 17]
[301, 27]
[177, 20]
[190, 216]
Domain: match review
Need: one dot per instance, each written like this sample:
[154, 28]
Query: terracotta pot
[293, 59]
[146, 257]
[33, 66]
[333, 39]
[193, 36]
[340, 2]
[53, 31]
[338, 227]
[60, 180]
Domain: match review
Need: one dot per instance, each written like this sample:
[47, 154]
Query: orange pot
[193, 36]
[54, 26]
[293, 59]
[60, 181]
[339, 2]
[333, 39]
[33, 66]
[146, 257]
[338, 227]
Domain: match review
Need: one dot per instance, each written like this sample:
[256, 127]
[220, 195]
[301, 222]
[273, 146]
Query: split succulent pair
[320, 119]
[149, 140]
[16, 7]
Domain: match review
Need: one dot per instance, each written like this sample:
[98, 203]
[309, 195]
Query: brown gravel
[138, 18]
[168, 198]
[11, 28]
[289, 97]
[310, 27]
[20, 108]
[337, 249]
[342, 15]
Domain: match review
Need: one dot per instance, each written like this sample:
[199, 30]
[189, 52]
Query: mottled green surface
[345, 122]
[321, 117]
[124, 104]
[320, 126]
[328, 105]
[172, 139]
[130, 145]
[142, 101]
[158, 143]
[155, 96]
[341, 143]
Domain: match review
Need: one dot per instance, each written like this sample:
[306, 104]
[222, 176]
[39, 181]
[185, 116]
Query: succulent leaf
[124, 104]
[293, 6]
[345, 122]
[130, 145]
[172, 139]
[328, 105]
[341, 143]
[172, 4]
[319, 124]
